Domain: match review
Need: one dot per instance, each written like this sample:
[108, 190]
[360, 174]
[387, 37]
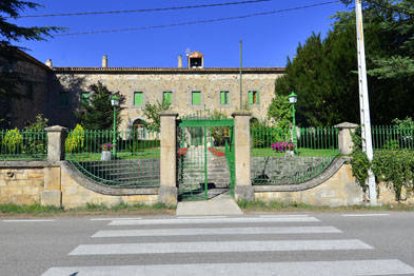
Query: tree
[9, 53]
[97, 112]
[152, 112]
[324, 71]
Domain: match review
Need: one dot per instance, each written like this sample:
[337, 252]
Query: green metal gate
[205, 158]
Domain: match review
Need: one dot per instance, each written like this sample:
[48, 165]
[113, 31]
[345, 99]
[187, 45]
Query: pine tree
[97, 112]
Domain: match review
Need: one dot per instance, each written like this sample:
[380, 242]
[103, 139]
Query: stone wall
[338, 190]
[181, 84]
[40, 182]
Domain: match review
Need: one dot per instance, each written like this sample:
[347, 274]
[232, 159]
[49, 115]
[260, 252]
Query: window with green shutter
[138, 98]
[167, 97]
[224, 97]
[85, 97]
[196, 98]
[253, 97]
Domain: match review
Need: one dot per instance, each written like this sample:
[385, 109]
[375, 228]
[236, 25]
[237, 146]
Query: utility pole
[241, 74]
[364, 101]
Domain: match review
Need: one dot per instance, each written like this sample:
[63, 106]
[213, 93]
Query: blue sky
[267, 40]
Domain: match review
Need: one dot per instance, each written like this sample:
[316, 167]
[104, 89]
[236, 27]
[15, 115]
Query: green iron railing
[133, 162]
[312, 141]
[392, 137]
[276, 161]
[89, 145]
[23, 144]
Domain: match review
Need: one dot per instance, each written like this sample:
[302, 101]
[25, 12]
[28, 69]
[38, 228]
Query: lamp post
[115, 104]
[293, 98]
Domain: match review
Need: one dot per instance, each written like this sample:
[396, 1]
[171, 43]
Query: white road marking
[200, 217]
[216, 231]
[218, 247]
[365, 215]
[325, 268]
[28, 220]
[99, 219]
[282, 216]
[212, 220]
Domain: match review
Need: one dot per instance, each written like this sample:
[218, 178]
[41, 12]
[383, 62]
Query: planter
[106, 155]
[290, 153]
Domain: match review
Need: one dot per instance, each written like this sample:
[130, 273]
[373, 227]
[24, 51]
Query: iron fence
[392, 137]
[119, 159]
[23, 144]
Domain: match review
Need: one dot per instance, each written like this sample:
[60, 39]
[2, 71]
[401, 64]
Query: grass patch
[148, 153]
[89, 209]
[272, 206]
[34, 209]
[302, 152]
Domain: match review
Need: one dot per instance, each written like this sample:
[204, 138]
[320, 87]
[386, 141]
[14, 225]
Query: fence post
[168, 137]
[243, 188]
[56, 136]
[345, 142]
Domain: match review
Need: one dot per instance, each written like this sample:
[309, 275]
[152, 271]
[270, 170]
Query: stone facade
[181, 82]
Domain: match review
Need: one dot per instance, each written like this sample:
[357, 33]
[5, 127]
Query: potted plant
[287, 147]
[106, 152]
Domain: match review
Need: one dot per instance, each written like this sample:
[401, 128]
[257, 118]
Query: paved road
[281, 244]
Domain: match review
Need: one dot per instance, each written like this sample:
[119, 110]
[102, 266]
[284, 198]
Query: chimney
[180, 61]
[49, 63]
[104, 61]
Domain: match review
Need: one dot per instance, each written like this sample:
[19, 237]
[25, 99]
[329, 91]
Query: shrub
[13, 141]
[75, 140]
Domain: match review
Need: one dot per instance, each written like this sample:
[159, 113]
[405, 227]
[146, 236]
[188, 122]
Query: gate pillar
[243, 188]
[168, 138]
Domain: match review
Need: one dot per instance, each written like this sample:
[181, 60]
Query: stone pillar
[56, 136]
[168, 159]
[244, 188]
[345, 143]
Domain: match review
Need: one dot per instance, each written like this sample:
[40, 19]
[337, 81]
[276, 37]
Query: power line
[196, 22]
[145, 10]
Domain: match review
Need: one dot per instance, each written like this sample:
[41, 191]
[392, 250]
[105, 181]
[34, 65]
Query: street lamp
[115, 104]
[293, 98]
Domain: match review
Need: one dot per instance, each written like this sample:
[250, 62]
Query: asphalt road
[279, 244]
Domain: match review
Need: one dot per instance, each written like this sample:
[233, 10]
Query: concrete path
[220, 205]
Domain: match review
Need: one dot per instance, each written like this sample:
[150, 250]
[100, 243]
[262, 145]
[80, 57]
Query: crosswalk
[293, 245]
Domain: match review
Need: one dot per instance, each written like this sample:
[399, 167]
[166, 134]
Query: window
[254, 97]
[196, 98]
[85, 97]
[138, 98]
[63, 99]
[224, 97]
[167, 97]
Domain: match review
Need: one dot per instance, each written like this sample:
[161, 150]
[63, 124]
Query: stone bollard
[244, 188]
[56, 136]
[345, 142]
[168, 159]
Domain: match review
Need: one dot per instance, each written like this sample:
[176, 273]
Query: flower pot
[290, 153]
[105, 155]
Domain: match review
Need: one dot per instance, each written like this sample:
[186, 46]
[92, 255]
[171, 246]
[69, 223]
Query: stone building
[189, 89]
[35, 92]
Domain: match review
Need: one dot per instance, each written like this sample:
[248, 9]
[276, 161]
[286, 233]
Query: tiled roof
[172, 70]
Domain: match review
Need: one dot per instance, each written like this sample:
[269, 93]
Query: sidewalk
[220, 205]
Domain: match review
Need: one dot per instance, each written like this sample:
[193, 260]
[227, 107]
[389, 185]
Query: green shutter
[257, 97]
[196, 98]
[167, 97]
[222, 97]
[138, 98]
[250, 97]
[85, 97]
